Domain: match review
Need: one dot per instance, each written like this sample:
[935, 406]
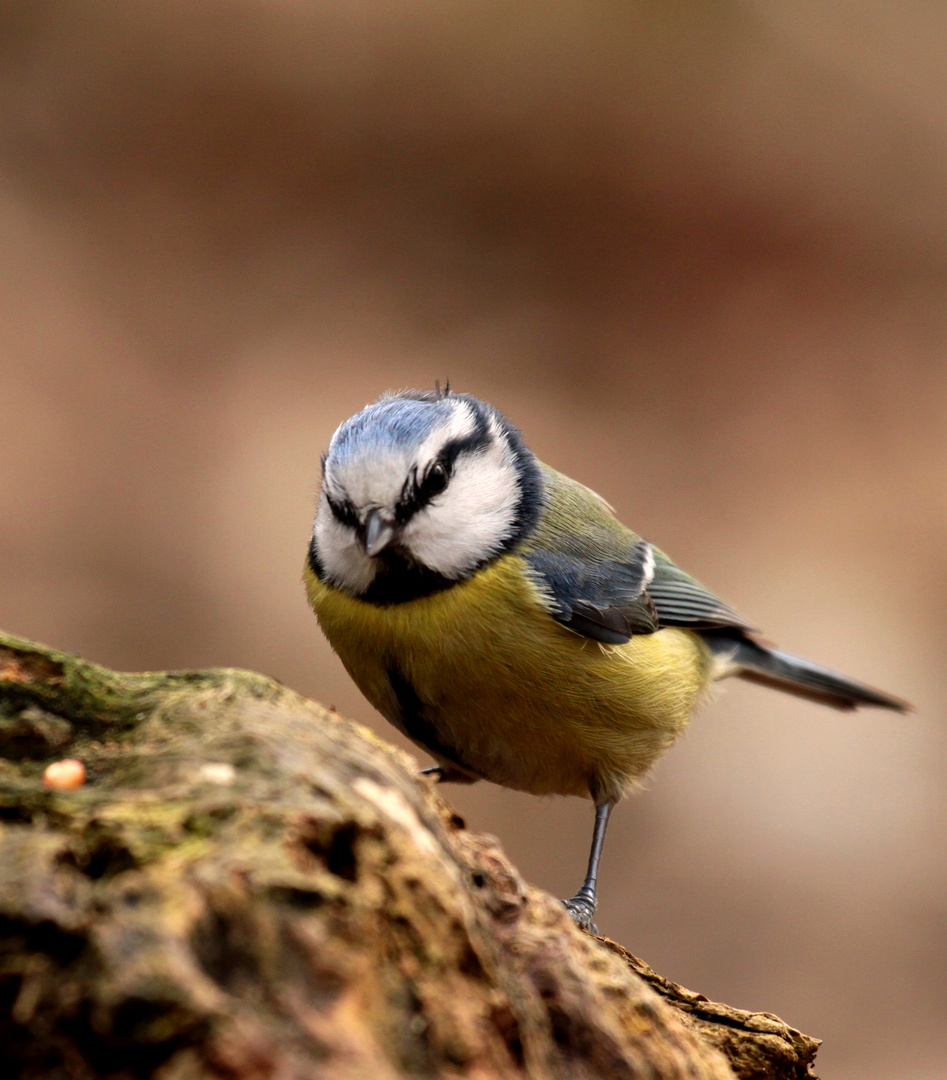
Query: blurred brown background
[698, 251]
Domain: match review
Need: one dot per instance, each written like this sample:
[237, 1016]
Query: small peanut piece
[65, 775]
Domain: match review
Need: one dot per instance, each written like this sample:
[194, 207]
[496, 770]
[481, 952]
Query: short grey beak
[377, 532]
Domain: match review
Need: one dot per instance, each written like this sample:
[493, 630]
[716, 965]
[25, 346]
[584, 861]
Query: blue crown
[389, 423]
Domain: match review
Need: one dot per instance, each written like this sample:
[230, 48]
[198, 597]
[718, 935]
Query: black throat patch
[398, 579]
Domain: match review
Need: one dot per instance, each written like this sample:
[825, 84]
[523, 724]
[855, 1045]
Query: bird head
[419, 490]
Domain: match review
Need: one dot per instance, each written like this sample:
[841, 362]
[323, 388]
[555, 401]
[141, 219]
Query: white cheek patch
[474, 516]
[344, 562]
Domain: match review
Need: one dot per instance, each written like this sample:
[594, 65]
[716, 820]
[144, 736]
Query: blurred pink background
[697, 251]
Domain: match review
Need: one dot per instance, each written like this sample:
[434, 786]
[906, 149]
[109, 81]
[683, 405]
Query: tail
[760, 663]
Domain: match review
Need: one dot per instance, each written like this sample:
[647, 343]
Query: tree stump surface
[250, 887]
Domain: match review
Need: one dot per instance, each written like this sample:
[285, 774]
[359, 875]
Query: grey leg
[582, 906]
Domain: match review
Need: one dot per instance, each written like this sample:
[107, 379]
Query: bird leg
[582, 906]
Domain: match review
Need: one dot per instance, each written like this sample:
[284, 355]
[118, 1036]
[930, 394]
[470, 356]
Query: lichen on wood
[248, 885]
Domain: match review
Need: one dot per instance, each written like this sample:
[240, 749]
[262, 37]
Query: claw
[582, 912]
[445, 774]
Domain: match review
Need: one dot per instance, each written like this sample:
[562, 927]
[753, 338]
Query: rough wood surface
[250, 886]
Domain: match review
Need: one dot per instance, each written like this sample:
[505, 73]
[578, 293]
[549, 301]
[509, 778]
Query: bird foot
[444, 774]
[582, 911]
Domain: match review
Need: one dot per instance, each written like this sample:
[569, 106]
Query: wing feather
[605, 582]
[603, 599]
[681, 600]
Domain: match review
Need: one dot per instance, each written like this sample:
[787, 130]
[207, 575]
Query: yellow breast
[516, 697]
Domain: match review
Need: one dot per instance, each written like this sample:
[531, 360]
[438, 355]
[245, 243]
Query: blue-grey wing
[638, 591]
[604, 598]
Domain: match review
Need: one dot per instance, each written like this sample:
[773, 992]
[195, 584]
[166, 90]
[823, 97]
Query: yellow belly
[523, 701]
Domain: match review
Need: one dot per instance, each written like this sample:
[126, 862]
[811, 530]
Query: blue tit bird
[500, 616]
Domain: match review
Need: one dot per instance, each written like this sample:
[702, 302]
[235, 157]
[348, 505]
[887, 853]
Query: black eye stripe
[478, 439]
[418, 493]
[343, 511]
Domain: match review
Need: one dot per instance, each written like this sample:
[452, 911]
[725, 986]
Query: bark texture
[250, 886]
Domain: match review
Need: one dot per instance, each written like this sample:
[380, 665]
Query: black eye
[434, 482]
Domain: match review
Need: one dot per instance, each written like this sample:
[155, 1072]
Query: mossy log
[249, 886]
